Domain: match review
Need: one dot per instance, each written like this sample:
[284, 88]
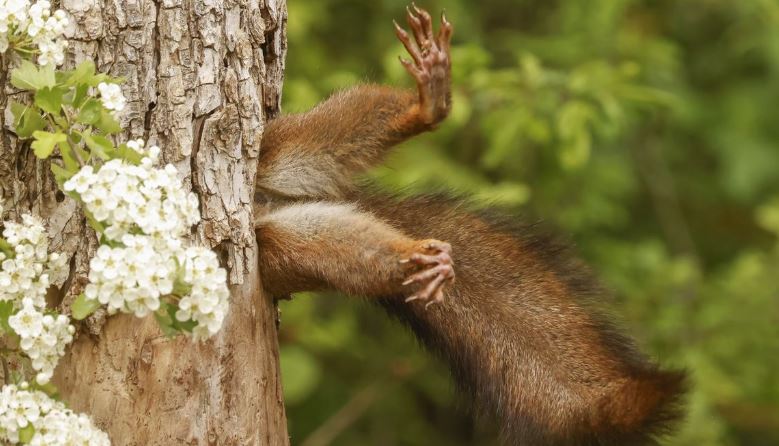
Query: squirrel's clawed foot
[431, 65]
[437, 271]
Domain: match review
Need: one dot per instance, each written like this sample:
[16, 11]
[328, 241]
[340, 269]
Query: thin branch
[659, 180]
[345, 417]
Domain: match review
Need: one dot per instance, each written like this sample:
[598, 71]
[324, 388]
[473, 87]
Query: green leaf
[83, 307]
[165, 320]
[6, 309]
[27, 119]
[181, 288]
[18, 109]
[26, 433]
[576, 153]
[83, 74]
[82, 152]
[68, 158]
[16, 377]
[49, 389]
[61, 174]
[50, 99]
[101, 77]
[170, 326]
[107, 123]
[6, 248]
[187, 325]
[77, 95]
[47, 76]
[93, 223]
[45, 142]
[129, 155]
[29, 77]
[90, 112]
[61, 121]
[101, 146]
[31, 123]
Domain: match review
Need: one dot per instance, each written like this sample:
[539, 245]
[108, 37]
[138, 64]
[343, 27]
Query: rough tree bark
[202, 76]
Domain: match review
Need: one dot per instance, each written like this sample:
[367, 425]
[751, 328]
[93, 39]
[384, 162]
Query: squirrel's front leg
[315, 154]
[320, 245]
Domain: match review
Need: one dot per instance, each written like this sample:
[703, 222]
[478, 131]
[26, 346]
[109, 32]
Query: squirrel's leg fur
[315, 154]
[321, 245]
[522, 333]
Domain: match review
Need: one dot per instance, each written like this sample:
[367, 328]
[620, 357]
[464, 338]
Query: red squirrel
[512, 314]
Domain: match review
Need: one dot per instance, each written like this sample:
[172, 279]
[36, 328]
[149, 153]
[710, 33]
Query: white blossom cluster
[43, 338]
[131, 278]
[208, 300]
[22, 21]
[146, 213]
[30, 269]
[111, 96]
[53, 423]
[128, 197]
[25, 277]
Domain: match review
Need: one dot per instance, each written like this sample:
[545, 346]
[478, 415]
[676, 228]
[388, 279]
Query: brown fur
[520, 326]
[311, 155]
[363, 253]
[523, 334]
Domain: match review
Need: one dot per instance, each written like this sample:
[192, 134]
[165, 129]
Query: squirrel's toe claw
[435, 273]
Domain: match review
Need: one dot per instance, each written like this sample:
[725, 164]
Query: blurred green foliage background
[645, 131]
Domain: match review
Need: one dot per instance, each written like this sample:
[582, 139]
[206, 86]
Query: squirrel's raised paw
[430, 65]
[435, 271]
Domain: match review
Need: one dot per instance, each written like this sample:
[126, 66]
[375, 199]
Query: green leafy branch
[66, 117]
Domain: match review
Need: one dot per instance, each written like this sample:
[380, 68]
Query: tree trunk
[201, 78]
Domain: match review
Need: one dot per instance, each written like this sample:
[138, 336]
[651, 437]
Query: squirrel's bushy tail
[525, 341]
[646, 405]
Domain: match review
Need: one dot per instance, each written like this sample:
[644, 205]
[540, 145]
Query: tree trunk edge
[201, 79]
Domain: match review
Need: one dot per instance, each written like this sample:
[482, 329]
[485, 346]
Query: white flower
[36, 25]
[17, 10]
[81, 181]
[123, 195]
[52, 52]
[137, 144]
[96, 192]
[28, 322]
[24, 281]
[153, 153]
[43, 338]
[146, 213]
[31, 271]
[111, 96]
[208, 301]
[53, 423]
